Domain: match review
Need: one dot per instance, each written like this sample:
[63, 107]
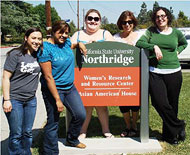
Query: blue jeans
[21, 119]
[72, 101]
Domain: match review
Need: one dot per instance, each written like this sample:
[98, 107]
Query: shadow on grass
[116, 125]
[94, 130]
[37, 142]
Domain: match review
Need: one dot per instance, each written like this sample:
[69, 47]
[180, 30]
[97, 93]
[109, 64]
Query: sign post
[144, 119]
[111, 75]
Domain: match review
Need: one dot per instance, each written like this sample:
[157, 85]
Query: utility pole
[48, 18]
[78, 15]
[83, 18]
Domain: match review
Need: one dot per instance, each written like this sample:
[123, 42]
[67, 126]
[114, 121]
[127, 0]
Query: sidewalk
[111, 146]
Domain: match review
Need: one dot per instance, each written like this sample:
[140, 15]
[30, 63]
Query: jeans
[20, 120]
[72, 101]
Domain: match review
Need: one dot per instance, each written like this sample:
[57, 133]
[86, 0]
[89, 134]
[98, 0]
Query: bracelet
[7, 100]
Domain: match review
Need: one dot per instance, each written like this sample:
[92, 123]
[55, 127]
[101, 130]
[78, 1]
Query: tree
[182, 20]
[105, 20]
[73, 28]
[112, 28]
[155, 5]
[171, 10]
[142, 17]
[15, 20]
[40, 10]
[18, 16]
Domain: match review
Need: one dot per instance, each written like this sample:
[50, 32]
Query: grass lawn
[155, 124]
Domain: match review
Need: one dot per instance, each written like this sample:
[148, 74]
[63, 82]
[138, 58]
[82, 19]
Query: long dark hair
[24, 48]
[167, 12]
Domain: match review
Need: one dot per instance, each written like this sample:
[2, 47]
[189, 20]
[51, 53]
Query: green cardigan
[170, 45]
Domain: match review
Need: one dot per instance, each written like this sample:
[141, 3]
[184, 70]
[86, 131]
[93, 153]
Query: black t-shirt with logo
[25, 75]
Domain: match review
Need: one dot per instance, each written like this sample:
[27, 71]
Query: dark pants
[125, 109]
[164, 92]
[72, 101]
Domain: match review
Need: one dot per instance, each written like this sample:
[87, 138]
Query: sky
[111, 9]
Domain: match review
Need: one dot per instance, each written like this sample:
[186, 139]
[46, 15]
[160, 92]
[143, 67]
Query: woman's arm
[47, 72]
[81, 46]
[7, 106]
[182, 42]
[76, 44]
[143, 42]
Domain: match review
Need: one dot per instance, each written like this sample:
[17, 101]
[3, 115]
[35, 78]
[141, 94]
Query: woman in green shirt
[164, 44]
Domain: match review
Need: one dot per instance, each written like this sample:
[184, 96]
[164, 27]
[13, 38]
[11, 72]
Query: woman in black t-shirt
[20, 81]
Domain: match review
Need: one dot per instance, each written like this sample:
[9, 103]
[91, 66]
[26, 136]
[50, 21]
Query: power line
[74, 11]
[71, 7]
[78, 14]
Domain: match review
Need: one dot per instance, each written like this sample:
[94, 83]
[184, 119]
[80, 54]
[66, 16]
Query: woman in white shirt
[127, 22]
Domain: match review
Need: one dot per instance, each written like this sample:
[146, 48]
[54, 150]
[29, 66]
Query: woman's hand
[7, 106]
[60, 106]
[82, 48]
[158, 52]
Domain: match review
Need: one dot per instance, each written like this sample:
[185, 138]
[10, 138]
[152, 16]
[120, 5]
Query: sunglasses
[129, 22]
[161, 16]
[90, 18]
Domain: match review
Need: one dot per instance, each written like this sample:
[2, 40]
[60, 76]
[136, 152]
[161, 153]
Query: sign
[109, 75]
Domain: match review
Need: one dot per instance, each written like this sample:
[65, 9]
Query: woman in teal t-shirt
[57, 63]
[164, 44]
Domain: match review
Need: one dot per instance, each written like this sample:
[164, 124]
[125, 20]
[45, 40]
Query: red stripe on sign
[109, 86]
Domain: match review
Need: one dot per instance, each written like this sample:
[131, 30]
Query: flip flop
[132, 132]
[82, 136]
[108, 135]
[125, 133]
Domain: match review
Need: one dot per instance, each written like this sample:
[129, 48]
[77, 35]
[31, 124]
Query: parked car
[184, 56]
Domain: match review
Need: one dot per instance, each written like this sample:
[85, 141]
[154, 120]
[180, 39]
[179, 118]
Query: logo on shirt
[28, 67]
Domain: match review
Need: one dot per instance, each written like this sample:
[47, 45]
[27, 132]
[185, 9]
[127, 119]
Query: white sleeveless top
[119, 39]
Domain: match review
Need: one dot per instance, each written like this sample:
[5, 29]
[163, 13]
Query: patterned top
[62, 61]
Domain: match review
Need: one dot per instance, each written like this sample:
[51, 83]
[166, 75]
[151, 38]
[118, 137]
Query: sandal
[108, 135]
[82, 136]
[125, 133]
[132, 132]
